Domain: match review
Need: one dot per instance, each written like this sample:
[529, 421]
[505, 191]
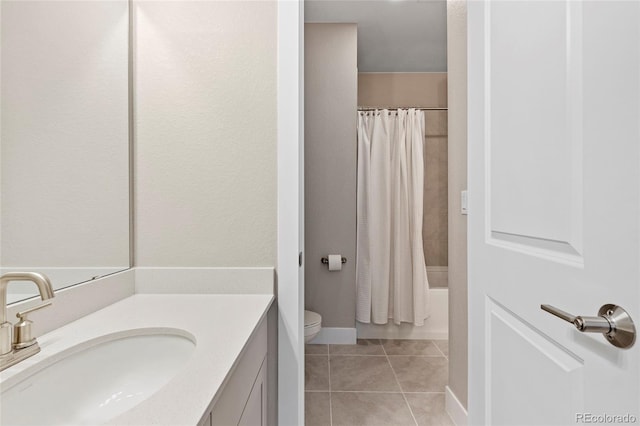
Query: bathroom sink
[97, 380]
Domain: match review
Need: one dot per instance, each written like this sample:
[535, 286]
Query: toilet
[312, 325]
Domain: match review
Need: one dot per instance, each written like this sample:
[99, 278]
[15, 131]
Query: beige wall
[457, 67]
[330, 169]
[205, 143]
[421, 90]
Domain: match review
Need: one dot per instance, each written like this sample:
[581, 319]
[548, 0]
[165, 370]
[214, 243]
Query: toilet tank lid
[311, 318]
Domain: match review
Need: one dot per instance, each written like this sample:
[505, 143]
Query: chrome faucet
[22, 345]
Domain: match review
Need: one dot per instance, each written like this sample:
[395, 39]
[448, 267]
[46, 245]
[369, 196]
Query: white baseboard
[335, 336]
[402, 331]
[454, 408]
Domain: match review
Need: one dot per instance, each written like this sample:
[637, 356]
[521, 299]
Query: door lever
[585, 324]
[612, 321]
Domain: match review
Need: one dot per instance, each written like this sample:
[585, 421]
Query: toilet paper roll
[335, 262]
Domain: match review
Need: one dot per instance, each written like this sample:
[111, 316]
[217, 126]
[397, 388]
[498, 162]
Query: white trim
[404, 331]
[436, 327]
[396, 72]
[290, 155]
[204, 280]
[437, 269]
[454, 408]
[335, 336]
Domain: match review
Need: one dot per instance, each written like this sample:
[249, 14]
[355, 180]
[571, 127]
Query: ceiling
[393, 35]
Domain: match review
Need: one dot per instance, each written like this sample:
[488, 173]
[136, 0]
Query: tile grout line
[447, 358]
[440, 350]
[371, 355]
[366, 391]
[369, 391]
[330, 393]
[406, 401]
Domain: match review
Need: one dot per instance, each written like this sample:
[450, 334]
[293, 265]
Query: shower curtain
[390, 267]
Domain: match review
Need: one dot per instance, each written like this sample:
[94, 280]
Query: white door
[290, 269]
[554, 208]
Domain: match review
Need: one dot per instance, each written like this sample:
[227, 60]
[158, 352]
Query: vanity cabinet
[242, 400]
[255, 411]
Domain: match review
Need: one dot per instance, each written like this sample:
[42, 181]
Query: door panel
[510, 380]
[528, 103]
[554, 207]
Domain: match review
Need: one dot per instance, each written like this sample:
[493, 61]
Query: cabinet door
[206, 421]
[255, 411]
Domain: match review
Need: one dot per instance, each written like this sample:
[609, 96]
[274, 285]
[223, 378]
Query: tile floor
[377, 382]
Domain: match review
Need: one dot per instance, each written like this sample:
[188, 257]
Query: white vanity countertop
[221, 324]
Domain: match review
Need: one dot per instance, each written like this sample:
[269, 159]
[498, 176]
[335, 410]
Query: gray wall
[330, 173]
[457, 54]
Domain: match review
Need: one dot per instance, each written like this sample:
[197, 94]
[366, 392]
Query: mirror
[64, 140]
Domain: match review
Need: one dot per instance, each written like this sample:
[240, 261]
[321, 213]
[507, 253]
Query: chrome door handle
[585, 324]
[612, 321]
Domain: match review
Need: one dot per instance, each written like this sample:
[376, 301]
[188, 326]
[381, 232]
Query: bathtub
[435, 327]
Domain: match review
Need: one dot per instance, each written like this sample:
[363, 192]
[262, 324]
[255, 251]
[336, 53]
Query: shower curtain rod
[396, 108]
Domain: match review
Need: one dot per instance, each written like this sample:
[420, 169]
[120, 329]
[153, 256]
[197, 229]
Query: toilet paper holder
[325, 260]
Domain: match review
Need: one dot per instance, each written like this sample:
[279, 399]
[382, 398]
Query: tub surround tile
[436, 123]
[317, 410]
[438, 277]
[410, 347]
[433, 251]
[435, 219]
[362, 347]
[316, 372]
[362, 373]
[370, 409]
[421, 373]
